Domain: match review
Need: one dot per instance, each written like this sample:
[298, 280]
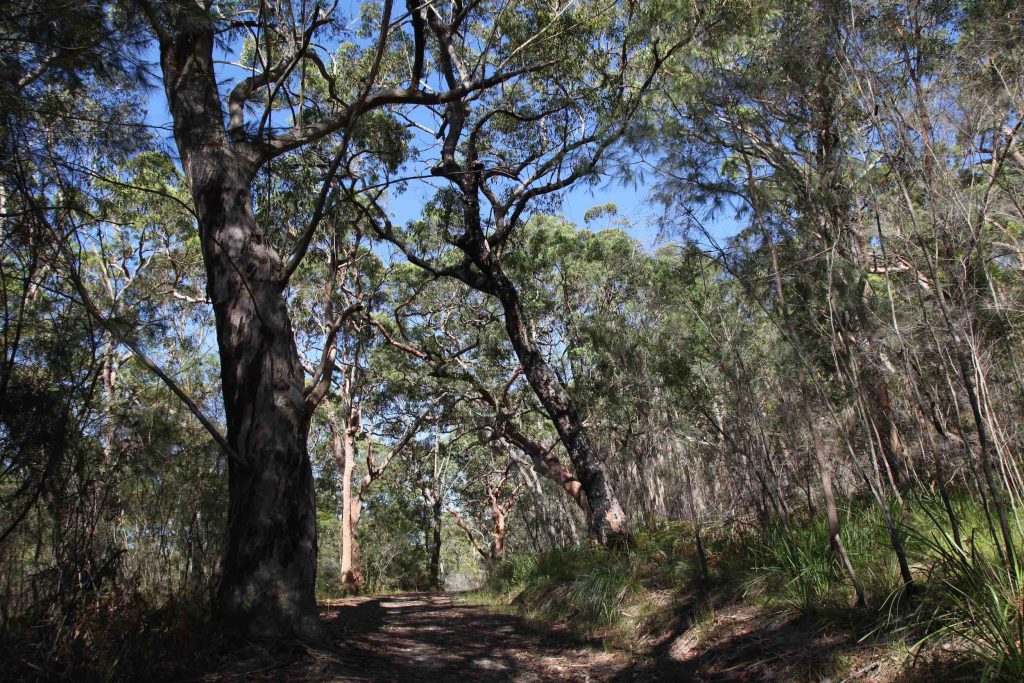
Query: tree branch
[148, 363]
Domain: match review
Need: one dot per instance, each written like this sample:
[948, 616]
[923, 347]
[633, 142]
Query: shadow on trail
[430, 637]
[412, 637]
[436, 637]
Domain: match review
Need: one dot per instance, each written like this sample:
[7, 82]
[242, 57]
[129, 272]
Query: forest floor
[426, 637]
[423, 637]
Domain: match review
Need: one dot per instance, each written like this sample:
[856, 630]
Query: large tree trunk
[268, 562]
[269, 555]
[606, 515]
[349, 577]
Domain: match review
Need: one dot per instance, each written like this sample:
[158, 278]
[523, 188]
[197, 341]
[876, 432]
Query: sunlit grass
[964, 598]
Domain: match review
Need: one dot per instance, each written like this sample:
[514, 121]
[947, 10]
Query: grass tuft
[964, 601]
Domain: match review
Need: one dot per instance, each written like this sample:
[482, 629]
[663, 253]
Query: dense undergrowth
[105, 636]
[964, 599]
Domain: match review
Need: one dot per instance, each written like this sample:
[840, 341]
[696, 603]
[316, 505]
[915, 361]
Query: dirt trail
[428, 638]
[425, 638]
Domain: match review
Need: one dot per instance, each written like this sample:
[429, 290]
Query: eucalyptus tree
[599, 299]
[452, 337]
[511, 149]
[303, 80]
[371, 414]
[492, 491]
[435, 466]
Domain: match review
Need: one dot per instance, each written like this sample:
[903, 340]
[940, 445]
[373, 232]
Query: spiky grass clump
[978, 601]
[587, 585]
[794, 568]
[967, 597]
[599, 590]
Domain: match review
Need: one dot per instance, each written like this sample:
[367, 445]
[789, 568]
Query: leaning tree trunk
[606, 515]
[831, 511]
[547, 464]
[268, 562]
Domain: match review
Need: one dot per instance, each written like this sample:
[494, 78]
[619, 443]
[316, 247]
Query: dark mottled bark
[606, 515]
[268, 562]
[547, 464]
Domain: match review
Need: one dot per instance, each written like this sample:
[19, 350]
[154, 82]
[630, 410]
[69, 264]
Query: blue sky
[637, 212]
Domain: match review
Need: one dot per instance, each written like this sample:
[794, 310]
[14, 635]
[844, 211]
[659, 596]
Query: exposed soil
[748, 643]
[423, 638]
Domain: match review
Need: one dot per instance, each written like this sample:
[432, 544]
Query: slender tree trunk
[109, 379]
[435, 547]
[498, 549]
[870, 425]
[877, 490]
[892, 445]
[343, 446]
[355, 511]
[268, 562]
[985, 448]
[824, 473]
[702, 557]
[937, 461]
[966, 369]
[500, 520]
[831, 511]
